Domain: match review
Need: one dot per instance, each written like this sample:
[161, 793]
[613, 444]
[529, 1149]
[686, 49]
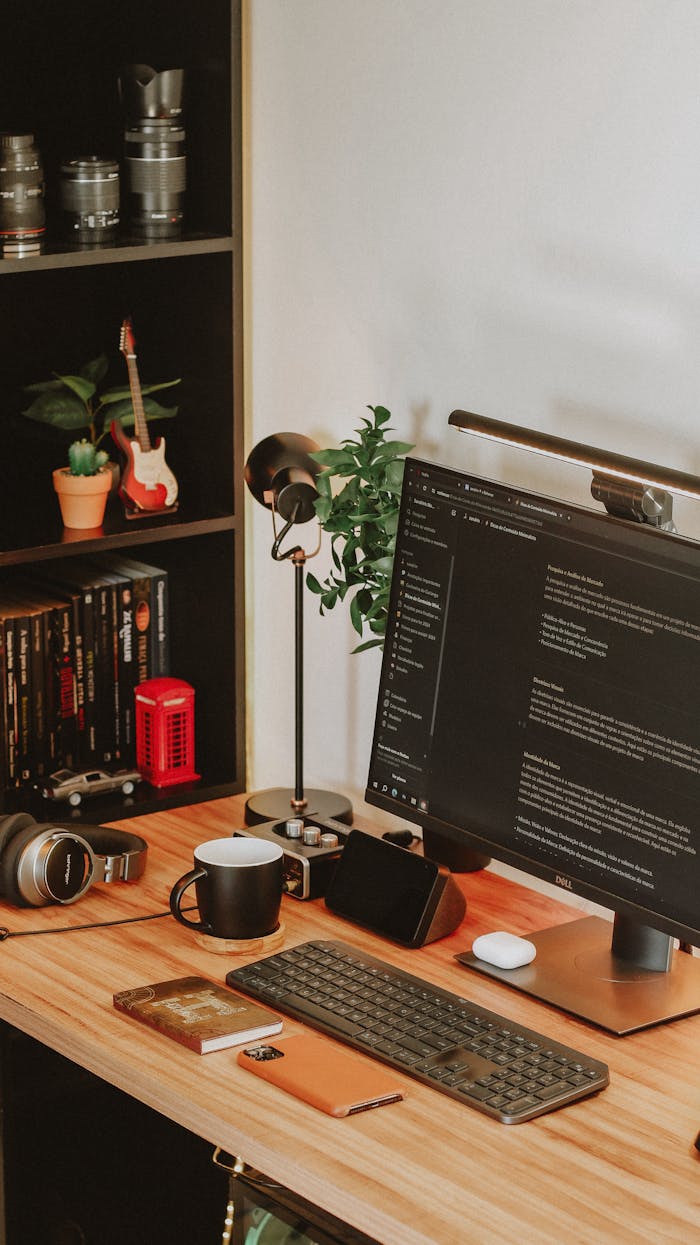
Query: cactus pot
[82, 498]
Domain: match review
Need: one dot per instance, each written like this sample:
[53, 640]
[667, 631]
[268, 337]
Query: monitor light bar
[631, 469]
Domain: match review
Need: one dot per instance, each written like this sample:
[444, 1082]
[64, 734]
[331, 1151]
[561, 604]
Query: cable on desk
[6, 933]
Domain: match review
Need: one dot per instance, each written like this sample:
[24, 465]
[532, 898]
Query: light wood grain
[618, 1168]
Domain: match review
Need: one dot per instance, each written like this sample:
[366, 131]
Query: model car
[76, 785]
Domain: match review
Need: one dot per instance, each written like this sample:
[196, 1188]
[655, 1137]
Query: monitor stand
[454, 856]
[623, 983]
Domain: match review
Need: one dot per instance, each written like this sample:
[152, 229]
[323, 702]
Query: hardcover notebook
[198, 1013]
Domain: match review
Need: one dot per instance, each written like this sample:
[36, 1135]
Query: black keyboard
[463, 1050]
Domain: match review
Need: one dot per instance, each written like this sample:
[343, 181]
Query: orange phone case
[334, 1079]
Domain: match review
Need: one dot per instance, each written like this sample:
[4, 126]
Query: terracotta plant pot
[82, 498]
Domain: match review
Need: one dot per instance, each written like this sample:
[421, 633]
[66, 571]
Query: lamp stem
[299, 560]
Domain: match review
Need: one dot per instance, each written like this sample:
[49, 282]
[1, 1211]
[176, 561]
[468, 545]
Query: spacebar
[303, 1009]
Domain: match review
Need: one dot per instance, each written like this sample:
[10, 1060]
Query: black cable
[6, 933]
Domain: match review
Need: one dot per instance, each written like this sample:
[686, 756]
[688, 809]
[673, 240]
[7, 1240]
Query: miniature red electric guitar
[147, 483]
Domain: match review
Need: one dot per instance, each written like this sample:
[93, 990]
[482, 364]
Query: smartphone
[332, 1078]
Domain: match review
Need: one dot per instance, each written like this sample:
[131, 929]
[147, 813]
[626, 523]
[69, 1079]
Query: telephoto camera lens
[156, 172]
[22, 209]
[89, 196]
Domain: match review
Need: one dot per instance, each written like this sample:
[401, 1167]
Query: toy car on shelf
[75, 785]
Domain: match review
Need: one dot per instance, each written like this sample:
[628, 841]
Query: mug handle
[176, 896]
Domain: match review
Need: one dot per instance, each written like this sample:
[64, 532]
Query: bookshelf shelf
[65, 306]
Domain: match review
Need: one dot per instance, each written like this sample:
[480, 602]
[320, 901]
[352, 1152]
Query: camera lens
[89, 196]
[156, 172]
[22, 210]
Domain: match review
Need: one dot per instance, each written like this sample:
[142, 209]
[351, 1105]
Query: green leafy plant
[71, 403]
[361, 519]
[85, 459]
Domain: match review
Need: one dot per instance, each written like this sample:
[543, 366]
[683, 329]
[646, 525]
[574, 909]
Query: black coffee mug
[238, 884]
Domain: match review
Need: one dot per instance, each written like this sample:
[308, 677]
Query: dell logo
[560, 881]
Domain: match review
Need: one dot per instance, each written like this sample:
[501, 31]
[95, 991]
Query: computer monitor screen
[539, 702]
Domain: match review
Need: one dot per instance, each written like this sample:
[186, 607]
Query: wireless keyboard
[471, 1054]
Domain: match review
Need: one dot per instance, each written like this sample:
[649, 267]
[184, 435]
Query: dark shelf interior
[96, 1187]
[64, 318]
[59, 81]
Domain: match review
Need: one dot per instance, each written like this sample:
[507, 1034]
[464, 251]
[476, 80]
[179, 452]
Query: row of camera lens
[89, 190]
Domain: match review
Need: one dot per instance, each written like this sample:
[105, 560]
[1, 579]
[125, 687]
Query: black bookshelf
[63, 306]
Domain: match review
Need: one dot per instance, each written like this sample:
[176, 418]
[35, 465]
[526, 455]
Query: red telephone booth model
[165, 731]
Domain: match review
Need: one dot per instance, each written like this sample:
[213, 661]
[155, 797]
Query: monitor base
[575, 970]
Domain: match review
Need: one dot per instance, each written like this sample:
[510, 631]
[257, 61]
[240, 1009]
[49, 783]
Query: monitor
[538, 704]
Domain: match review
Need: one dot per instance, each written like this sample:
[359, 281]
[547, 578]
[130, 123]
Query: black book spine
[10, 700]
[160, 644]
[38, 653]
[23, 693]
[64, 675]
[106, 700]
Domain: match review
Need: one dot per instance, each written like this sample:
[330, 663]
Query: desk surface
[619, 1167]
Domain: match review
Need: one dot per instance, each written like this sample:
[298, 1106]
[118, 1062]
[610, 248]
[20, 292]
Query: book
[198, 1013]
[78, 580]
[144, 619]
[60, 682]
[125, 663]
[152, 584]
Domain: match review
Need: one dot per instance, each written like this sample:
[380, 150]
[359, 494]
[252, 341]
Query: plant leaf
[124, 411]
[59, 410]
[85, 389]
[96, 370]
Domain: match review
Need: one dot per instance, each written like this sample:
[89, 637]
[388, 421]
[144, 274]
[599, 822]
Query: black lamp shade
[281, 468]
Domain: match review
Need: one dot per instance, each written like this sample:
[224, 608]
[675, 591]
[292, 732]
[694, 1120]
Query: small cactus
[84, 459]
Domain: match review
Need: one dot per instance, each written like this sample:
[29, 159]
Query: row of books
[77, 636]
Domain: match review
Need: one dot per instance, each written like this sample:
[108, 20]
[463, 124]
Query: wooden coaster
[242, 946]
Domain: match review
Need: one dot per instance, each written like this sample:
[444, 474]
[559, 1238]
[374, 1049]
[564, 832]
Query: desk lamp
[281, 475]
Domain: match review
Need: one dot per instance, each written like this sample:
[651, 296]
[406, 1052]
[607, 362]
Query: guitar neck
[140, 424]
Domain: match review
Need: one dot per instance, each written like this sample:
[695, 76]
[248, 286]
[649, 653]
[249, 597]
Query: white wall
[487, 204]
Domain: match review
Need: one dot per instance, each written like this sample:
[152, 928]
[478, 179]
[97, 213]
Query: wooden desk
[619, 1167]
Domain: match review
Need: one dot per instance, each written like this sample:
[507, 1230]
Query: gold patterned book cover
[198, 1013]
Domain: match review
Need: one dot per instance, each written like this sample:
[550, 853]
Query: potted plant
[83, 485]
[362, 519]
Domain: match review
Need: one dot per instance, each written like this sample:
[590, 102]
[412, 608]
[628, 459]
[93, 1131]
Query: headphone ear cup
[9, 827]
[9, 858]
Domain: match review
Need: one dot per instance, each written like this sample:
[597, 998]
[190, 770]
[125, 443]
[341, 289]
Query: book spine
[116, 732]
[127, 669]
[89, 753]
[23, 693]
[144, 624]
[4, 777]
[38, 652]
[160, 630]
[10, 699]
[65, 684]
[52, 719]
[77, 643]
[105, 742]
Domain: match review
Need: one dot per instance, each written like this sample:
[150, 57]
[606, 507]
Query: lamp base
[278, 804]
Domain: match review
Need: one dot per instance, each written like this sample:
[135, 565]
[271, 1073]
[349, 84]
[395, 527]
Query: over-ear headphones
[48, 862]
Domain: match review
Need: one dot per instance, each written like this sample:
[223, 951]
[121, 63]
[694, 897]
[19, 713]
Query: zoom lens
[22, 210]
[157, 177]
[89, 196]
